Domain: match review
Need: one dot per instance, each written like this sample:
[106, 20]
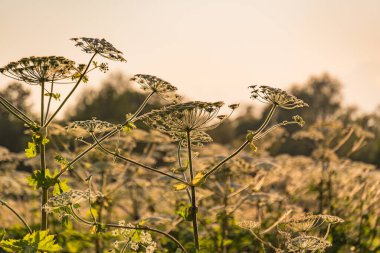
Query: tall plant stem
[106, 136]
[44, 216]
[49, 101]
[15, 213]
[71, 93]
[193, 197]
[180, 165]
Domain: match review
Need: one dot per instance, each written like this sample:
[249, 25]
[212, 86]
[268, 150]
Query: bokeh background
[324, 52]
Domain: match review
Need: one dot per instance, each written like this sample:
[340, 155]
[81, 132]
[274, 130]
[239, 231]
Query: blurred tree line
[323, 93]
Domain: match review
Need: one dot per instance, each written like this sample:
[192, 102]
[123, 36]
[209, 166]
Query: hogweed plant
[187, 124]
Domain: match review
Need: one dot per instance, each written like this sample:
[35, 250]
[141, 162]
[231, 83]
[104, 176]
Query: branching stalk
[18, 216]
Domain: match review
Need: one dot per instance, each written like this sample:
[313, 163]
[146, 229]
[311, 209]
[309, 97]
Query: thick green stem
[18, 216]
[44, 215]
[193, 197]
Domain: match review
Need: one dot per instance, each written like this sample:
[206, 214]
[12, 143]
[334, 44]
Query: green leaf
[37, 180]
[62, 162]
[61, 187]
[56, 96]
[39, 241]
[185, 211]
[198, 179]
[129, 127]
[180, 186]
[31, 151]
[45, 141]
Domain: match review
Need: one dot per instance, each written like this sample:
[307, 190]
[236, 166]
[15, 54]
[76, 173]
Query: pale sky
[210, 49]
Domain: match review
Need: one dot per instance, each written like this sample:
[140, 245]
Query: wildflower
[276, 96]
[307, 243]
[116, 244]
[134, 246]
[185, 117]
[93, 125]
[37, 70]
[68, 198]
[154, 84]
[191, 117]
[145, 238]
[99, 46]
[151, 248]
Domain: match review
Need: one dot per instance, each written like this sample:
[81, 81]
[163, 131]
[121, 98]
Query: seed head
[276, 96]
[303, 223]
[37, 70]
[92, 126]
[307, 243]
[154, 84]
[193, 117]
[99, 46]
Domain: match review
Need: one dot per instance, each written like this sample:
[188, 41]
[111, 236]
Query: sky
[210, 49]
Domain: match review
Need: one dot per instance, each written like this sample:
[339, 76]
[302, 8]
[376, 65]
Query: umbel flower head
[276, 96]
[92, 126]
[99, 46]
[68, 198]
[37, 70]
[307, 222]
[154, 84]
[194, 117]
[307, 243]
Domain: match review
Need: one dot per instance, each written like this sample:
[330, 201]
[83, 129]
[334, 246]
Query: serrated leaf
[61, 187]
[37, 180]
[198, 179]
[180, 186]
[38, 241]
